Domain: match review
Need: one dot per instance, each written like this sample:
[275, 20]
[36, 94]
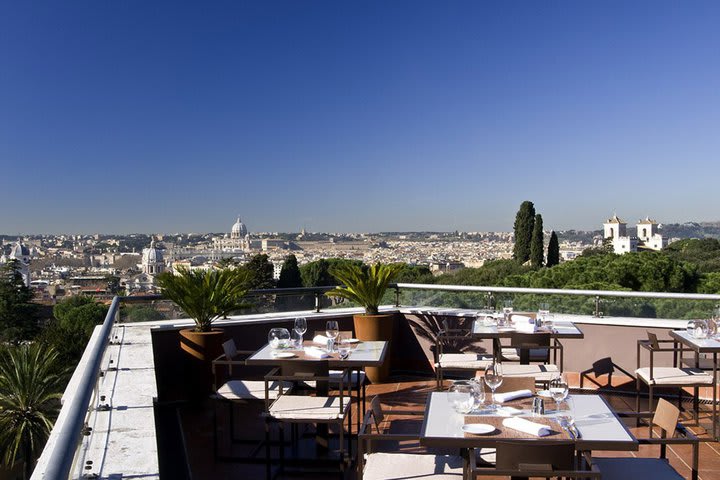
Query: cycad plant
[364, 284]
[206, 295]
[31, 384]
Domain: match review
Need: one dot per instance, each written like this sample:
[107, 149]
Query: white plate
[544, 394]
[352, 340]
[283, 355]
[478, 428]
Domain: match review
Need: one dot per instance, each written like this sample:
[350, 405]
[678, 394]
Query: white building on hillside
[647, 237]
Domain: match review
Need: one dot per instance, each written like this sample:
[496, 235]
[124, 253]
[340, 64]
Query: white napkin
[316, 352]
[321, 340]
[526, 426]
[507, 396]
[523, 324]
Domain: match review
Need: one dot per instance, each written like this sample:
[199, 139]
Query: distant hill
[691, 230]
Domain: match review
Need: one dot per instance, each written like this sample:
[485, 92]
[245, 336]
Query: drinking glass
[331, 330]
[558, 391]
[566, 417]
[493, 379]
[478, 392]
[544, 312]
[507, 311]
[461, 397]
[343, 347]
[691, 328]
[300, 326]
[279, 338]
[701, 329]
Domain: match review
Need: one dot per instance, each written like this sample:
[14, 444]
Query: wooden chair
[323, 408]
[674, 376]
[447, 359]
[536, 458]
[374, 465]
[666, 420]
[532, 352]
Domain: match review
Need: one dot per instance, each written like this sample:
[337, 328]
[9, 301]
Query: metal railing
[58, 459]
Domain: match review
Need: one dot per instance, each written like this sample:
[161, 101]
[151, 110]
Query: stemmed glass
[493, 379]
[507, 311]
[544, 312]
[558, 391]
[332, 331]
[300, 328]
[343, 347]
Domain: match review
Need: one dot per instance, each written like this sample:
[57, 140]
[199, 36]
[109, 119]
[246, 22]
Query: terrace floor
[200, 434]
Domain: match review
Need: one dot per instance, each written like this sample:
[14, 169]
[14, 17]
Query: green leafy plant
[31, 384]
[206, 296]
[364, 284]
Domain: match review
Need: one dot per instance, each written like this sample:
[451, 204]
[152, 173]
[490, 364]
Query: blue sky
[148, 116]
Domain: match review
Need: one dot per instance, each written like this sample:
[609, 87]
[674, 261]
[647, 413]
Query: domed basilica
[238, 241]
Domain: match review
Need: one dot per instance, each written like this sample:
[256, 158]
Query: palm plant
[208, 295]
[363, 284]
[31, 384]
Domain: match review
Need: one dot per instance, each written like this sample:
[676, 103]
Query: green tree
[68, 333]
[553, 254]
[537, 248]
[317, 274]
[261, 272]
[227, 263]
[142, 313]
[290, 274]
[18, 320]
[523, 228]
[31, 384]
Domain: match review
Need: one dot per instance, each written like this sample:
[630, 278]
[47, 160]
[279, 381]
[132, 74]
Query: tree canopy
[537, 247]
[18, 320]
[523, 228]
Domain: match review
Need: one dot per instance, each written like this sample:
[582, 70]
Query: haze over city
[363, 117]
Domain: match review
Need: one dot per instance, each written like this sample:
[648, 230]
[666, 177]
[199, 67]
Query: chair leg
[268, 471]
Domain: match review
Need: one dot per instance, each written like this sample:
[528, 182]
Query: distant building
[438, 268]
[152, 264]
[21, 253]
[238, 241]
[647, 237]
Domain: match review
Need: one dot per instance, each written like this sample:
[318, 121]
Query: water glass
[558, 391]
[461, 397]
[493, 379]
[701, 329]
[507, 312]
[566, 417]
[691, 328]
[296, 339]
[544, 312]
[300, 326]
[343, 347]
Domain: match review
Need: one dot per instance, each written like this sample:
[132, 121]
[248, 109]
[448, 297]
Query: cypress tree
[290, 274]
[524, 222]
[553, 255]
[537, 249]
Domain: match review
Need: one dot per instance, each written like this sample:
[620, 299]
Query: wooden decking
[203, 437]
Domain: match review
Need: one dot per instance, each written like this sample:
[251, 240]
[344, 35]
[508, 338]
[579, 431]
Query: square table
[559, 329]
[599, 427]
[702, 345]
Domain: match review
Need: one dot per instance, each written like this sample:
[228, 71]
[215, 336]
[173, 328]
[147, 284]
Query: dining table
[597, 426]
[702, 346]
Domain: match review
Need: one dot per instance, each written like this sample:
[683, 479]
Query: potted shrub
[205, 296]
[366, 285]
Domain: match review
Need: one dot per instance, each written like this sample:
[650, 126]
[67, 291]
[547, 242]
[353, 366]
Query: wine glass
[461, 396]
[507, 312]
[558, 391]
[300, 327]
[493, 379]
[332, 331]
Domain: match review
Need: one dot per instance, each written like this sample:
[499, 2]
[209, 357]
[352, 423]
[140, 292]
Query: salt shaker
[538, 406]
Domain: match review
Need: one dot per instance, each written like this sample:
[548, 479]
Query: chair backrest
[666, 417]
[376, 413]
[512, 384]
[535, 454]
[305, 369]
[652, 338]
[230, 349]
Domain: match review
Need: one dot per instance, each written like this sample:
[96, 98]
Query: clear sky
[149, 116]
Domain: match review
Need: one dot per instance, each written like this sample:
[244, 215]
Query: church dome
[19, 250]
[238, 230]
[151, 255]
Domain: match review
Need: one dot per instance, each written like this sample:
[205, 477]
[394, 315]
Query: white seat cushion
[541, 373]
[512, 354]
[300, 407]
[674, 376]
[622, 468]
[250, 390]
[464, 361]
[398, 466]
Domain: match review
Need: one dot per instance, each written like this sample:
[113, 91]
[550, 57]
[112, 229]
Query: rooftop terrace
[129, 388]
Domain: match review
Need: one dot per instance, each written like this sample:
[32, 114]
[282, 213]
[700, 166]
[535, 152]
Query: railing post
[397, 296]
[598, 313]
[317, 301]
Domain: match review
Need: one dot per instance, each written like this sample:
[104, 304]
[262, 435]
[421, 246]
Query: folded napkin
[507, 396]
[523, 324]
[526, 426]
[321, 340]
[316, 352]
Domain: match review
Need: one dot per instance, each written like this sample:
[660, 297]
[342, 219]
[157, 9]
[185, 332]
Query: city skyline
[369, 117]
